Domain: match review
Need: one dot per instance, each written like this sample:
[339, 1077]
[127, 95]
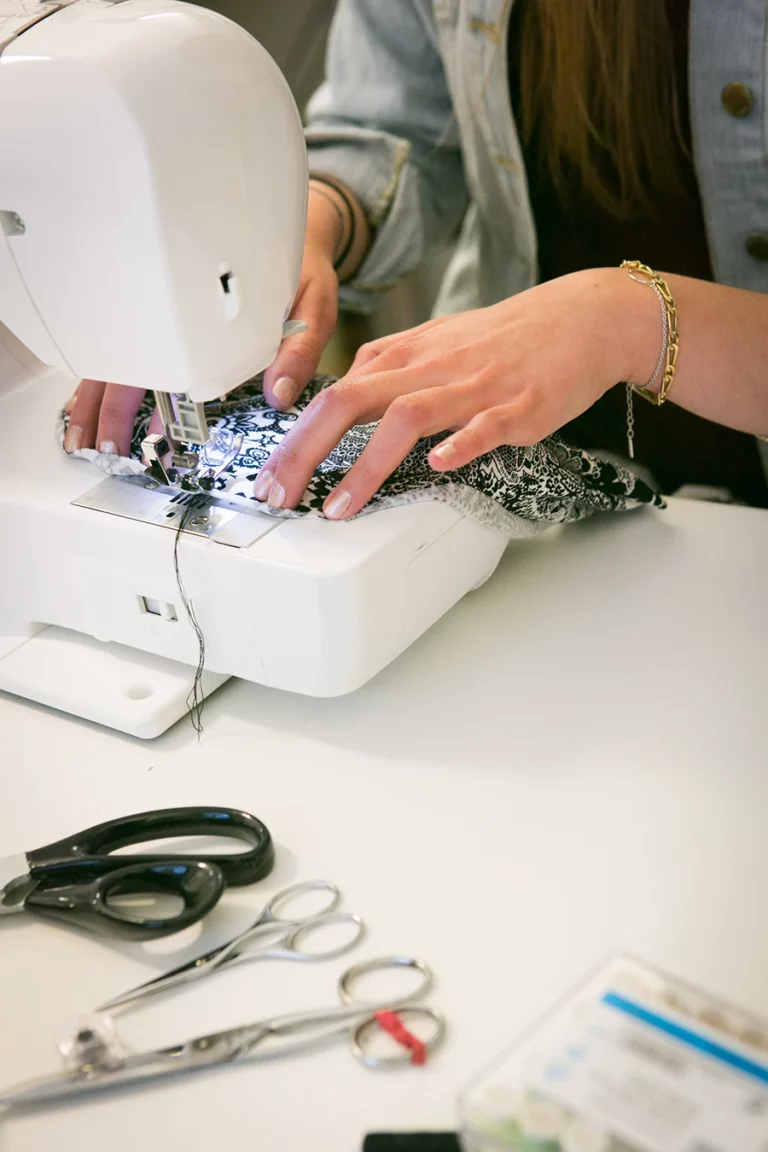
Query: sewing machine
[153, 194]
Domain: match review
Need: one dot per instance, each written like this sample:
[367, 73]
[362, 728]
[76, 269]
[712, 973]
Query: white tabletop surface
[574, 760]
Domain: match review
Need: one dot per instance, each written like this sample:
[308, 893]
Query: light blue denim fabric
[415, 116]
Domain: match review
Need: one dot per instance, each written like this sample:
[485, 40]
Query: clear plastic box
[631, 1060]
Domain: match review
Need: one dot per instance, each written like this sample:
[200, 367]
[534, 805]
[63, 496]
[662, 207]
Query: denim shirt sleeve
[383, 123]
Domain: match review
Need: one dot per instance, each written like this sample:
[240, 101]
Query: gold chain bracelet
[645, 275]
[670, 342]
[669, 348]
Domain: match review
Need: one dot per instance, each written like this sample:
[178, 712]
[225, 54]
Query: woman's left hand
[509, 374]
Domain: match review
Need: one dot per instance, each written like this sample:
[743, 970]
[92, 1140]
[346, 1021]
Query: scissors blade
[184, 974]
[201, 1052]
[15, 883]
[203, 965]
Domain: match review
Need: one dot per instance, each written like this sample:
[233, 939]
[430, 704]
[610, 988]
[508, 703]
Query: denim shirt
[415, 116]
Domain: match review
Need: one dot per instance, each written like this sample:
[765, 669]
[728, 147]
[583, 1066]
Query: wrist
[354, 237]
[325, 224]
[635, 326]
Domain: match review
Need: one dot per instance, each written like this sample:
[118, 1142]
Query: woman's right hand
[102, 415]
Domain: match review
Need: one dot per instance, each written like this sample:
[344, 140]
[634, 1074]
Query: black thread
[196, 698]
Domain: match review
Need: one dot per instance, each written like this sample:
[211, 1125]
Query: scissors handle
[88, 904]
[81, 858]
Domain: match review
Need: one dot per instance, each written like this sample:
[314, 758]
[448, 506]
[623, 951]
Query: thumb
[297, 360]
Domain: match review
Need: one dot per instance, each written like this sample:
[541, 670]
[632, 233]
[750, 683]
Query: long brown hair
[598, 88]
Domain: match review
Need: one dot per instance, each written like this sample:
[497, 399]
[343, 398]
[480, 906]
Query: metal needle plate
[142, 498]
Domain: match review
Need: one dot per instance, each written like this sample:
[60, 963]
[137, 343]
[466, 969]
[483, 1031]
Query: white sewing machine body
[309, 606]
[91, 619]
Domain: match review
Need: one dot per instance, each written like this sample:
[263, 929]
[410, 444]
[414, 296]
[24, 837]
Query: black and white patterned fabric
[520, 491]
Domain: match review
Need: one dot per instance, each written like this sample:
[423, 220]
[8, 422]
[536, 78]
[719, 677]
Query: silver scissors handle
[282, 940]
[270, 913]
[355, 1017]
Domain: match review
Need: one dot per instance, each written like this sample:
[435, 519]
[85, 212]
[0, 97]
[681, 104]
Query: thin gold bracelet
[645, 275]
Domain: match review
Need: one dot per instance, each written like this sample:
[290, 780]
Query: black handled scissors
[77, 880]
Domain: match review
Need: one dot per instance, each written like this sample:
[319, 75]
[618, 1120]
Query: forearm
[722, 365]
[384, 124]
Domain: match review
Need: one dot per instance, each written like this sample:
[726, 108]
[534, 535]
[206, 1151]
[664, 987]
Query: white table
[574, 760]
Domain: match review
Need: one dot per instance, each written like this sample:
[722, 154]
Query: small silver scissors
[274, 935]
[95, 1058]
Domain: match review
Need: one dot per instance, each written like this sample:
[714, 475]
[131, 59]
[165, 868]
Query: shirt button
[737, 99]
[757, 245]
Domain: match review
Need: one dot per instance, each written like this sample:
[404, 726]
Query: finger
[406, 421]
[70, 402]
[396, 348]
[349, 402]
[117, 419]
[298, 357]
[505, 424]
[365, 355]
[319, 429]
[321, 425]
[84, 415]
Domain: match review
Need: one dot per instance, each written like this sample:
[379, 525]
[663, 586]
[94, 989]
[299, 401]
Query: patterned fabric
[520, 491]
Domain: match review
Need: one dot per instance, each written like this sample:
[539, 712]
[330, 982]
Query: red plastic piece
[393, 1025]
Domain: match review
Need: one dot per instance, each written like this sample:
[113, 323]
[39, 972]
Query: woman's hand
[317, 305]
[103, 415]
[509, 374]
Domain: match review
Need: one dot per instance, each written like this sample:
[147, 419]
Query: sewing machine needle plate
[141, 498]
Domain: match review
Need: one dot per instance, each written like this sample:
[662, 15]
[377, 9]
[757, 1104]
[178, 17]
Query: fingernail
[262, 486]
[108, 448]
[445, 452]
[285, 390]
[73, 438]
[276, 496]
[337, 504]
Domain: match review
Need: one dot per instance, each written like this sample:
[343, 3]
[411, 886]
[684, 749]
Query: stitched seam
[402, 152]
[506, 162]
[503, 23]
[484, 26]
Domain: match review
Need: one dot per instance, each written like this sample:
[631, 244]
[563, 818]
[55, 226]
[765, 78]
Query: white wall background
[293, 32]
